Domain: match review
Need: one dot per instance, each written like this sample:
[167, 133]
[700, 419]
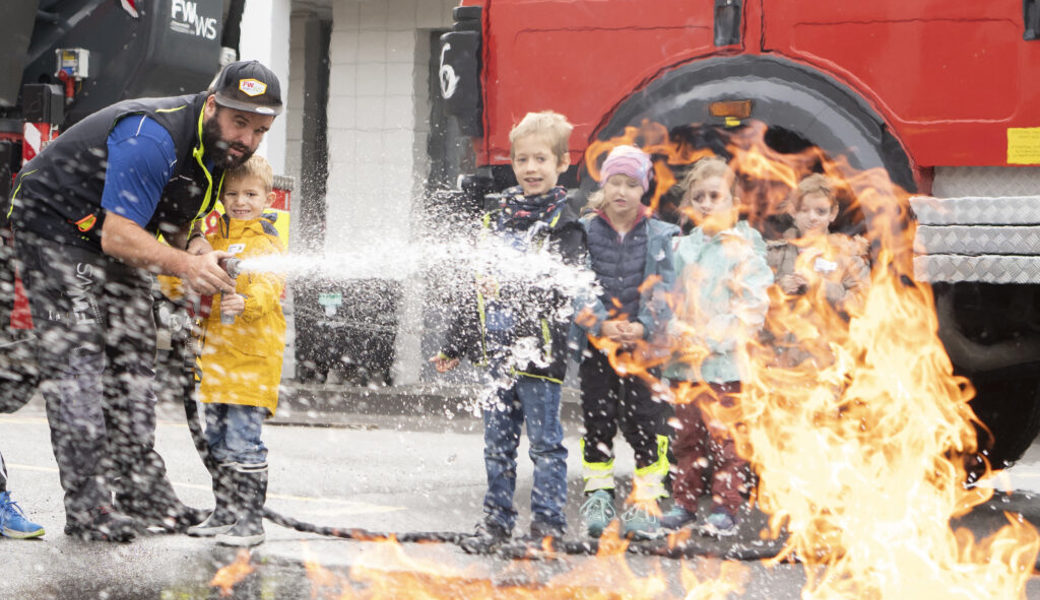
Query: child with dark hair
[811, 260]
[811, 254]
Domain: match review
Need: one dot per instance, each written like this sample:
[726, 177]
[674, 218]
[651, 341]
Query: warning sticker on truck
[1023, 145]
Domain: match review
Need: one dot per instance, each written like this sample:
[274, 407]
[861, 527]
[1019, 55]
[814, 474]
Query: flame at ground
[862, 462]
[859, 449]
[385, 571]
[230, 575]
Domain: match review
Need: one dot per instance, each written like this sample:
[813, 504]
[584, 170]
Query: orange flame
[860, 441]
[655, 140]
[384, 571]
[859, 444]
[228, 576]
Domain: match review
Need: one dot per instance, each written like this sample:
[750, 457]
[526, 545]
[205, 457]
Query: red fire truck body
[941, 94]
[947, 78]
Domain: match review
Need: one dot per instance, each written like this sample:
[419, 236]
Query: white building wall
[294, 97]
[377, 137]
[373, 122]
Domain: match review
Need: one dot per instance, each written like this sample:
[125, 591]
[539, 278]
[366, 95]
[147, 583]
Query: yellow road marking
[43, 421]
[353, 507]
[24, 420]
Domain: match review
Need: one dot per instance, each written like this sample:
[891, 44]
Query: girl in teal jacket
[720, 304]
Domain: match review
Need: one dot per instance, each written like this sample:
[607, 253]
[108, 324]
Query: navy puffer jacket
[619, 264]
[650, 255]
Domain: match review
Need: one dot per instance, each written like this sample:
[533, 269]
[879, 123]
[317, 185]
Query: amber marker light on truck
[733, 111]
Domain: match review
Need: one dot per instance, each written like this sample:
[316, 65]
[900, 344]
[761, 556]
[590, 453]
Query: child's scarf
[520, 212]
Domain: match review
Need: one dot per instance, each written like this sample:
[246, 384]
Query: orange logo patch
[252, 87]
[87, 223]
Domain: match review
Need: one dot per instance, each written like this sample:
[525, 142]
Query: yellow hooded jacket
[241, 362]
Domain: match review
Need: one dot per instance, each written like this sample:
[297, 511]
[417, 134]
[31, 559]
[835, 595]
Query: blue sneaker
[719, 524]
[677, 518]
[13, 523]
[597, 512]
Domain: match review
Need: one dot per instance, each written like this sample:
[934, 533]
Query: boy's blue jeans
[233, 433]
[537, 402]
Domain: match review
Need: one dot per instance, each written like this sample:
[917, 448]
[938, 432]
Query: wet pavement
[402, 472]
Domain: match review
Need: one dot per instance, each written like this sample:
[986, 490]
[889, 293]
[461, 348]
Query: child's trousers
[708, 454]
[536, 402]
[610, 401]
[233, 433]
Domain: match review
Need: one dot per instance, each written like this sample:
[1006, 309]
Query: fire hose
[183, 343]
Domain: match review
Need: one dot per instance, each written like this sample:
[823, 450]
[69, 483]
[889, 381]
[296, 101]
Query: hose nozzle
[232, 265]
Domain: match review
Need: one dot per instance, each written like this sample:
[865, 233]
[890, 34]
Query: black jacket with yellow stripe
[538, 308]
[58, 193]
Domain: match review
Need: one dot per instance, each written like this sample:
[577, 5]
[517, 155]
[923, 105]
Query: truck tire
[785, 95]
[1012, 424]
[989, 333]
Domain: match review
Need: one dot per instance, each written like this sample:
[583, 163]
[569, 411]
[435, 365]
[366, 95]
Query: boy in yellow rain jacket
[242, 342]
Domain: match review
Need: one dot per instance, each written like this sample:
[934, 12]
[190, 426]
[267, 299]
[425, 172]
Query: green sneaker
[597, 512]
[640, 522]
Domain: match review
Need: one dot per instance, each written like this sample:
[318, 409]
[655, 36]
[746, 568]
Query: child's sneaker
[13, 523]
[677, 518]
[640, 522]
[541, 530]
[486, 539]
[720, 523]
[597, 512]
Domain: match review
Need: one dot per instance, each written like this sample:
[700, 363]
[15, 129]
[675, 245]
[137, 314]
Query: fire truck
[940, 95]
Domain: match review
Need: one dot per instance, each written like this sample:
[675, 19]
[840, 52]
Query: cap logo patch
[252, 87]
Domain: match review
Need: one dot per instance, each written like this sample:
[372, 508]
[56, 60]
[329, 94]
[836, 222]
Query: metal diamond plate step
[983, 269]
[984, 239]
[972, 210]
[977, 240]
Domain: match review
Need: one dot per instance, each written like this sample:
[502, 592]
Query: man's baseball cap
[249, 86]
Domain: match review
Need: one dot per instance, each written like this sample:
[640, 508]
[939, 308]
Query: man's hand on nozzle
[205, 275]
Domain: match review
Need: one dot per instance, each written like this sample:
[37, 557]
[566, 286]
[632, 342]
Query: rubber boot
[251, 488]
[154, 504]
[102, 524]
[224, 514]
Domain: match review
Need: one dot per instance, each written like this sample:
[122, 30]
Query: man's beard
[216, 147]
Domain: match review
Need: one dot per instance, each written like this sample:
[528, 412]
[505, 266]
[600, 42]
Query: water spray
[487, 255]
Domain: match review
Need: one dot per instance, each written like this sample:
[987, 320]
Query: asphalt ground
[416, 469]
